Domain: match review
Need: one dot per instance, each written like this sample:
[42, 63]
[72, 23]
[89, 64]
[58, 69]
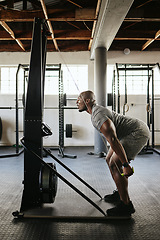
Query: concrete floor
[144, 189]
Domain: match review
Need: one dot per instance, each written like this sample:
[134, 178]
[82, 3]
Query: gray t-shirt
[124, 125]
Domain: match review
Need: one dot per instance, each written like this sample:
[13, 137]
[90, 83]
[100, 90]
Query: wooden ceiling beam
[75, 4]
[58, 35]
[141, 5]
[69, 46]
[133, 39]
[49, 38]
[151, 40]
[84, 14]
[11, 33]
[142, 20]
[52, 19]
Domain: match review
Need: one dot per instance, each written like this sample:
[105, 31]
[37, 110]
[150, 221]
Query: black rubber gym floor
[144, 189]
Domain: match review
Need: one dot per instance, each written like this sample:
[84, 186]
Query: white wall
[85, 132]
[134, 57]
[80, 121]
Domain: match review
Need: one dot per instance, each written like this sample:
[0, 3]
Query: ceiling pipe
[110, 18]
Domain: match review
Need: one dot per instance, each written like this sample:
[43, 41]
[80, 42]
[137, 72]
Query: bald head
[85, 101]
[88, 95]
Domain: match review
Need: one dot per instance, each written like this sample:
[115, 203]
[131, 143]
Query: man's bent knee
[115, 165]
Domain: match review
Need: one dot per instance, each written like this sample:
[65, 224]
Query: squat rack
[18, 151]
[61, 107]
[150, 98]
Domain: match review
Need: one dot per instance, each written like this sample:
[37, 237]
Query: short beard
[84, 109]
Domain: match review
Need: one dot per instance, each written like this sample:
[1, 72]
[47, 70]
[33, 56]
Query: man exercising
[126, 136]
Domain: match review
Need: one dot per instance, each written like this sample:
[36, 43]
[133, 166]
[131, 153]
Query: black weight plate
[48, 184]
[68, 130]
[0, 128]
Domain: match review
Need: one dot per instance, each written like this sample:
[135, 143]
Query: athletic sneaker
[112, 198]
[121, 210]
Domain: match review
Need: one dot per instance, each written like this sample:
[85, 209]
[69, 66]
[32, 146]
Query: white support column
[100, 68]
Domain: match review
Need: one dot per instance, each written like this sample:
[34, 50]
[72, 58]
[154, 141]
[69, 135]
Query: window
[75, 79]
[157, 81]
[136, 79]
[51, 81]
[8, 80]
[136, 82]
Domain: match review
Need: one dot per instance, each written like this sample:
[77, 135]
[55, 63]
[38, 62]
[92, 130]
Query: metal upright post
[152, 104]
[125, 86]
[118, 91]
[148, 100]
[17, 115]
[61, 113]
[114, 92]
[61, 117]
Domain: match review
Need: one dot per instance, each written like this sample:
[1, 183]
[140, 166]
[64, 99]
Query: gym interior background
[144, 186]
[83, 134]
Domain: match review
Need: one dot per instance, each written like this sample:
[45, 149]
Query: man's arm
[109, 131]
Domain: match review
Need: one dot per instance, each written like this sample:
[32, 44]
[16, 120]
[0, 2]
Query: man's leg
[108, 159]
[125, 206]
[114, 197]
[121, 182]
